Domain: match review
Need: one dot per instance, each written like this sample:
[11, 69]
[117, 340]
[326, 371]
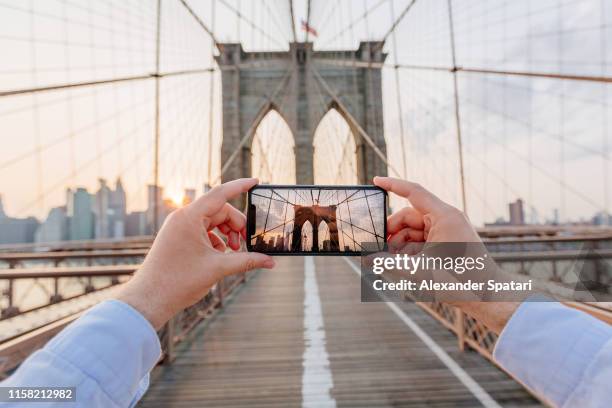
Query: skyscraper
[16, 230]
[55, 227]
[136, 223]
[117, 211]
[81, 215]
[517, 215]
[101, 210]
[154, 200]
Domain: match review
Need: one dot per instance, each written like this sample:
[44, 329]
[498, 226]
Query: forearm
[563, 355]
[494, 315]
[106, 354]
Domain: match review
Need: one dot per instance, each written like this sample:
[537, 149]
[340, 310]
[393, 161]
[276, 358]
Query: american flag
[309, 29]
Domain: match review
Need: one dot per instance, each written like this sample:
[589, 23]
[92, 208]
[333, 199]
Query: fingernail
[269, 263]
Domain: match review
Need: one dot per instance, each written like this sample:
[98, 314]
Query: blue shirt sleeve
[562, 354]
[106, 354]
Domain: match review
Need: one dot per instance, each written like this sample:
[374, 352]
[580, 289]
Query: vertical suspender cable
[156, 154]
[456, 96]
[307, 20]
[398, 96]
[211, 97]
[292, 20]
[604, 125]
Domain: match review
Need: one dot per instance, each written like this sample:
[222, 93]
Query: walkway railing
[106, 265]
[15, 350]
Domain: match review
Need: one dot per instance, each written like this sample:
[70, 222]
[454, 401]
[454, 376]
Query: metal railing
[15, 350]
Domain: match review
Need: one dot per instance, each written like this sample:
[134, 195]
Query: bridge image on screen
[297, 220]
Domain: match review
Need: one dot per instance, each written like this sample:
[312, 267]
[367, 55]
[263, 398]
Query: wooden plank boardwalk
[252, 353]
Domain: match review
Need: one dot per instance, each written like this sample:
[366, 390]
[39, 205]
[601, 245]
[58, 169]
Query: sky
[543, 140]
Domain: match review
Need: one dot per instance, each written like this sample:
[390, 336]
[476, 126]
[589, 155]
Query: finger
[213, 201]
[225, 229]
[407, 247]
[405, 235]
[216, 241]
[406, 217]
[240, 262]
[227, 219]
[233, 240]
[421, 199]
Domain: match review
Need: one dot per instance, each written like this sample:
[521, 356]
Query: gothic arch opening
[304, 242]
[335, 151]
[272, 151]
[324, 237]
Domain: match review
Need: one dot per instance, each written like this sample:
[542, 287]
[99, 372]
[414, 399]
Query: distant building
[117, 211]
[154, 199]
[189, 197]
[602, 218]
[55, 227]
[556, 219]
[17, 230]
[136, 224]
[326, 245]
[517, 214]
[534, 219]
[259, 243]
[101, 211]
[110, 211]
[280, 243]
[81, 216]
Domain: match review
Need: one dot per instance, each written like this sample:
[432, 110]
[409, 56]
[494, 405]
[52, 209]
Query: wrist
[149, 304]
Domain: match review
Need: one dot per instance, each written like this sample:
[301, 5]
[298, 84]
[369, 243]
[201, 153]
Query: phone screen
[323, 220]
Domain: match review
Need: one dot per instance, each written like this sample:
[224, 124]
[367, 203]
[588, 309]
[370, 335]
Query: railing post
[10, 310]
[220, 285]
[55, 297]
[554, 277]
[89, 287]
[460, 328]
[169, 342]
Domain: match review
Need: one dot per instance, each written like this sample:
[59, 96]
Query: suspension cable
[354, 122]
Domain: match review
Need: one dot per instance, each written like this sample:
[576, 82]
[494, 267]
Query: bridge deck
[252, 353]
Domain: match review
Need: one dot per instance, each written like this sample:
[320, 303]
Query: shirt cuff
[114, 345]
[548, 346]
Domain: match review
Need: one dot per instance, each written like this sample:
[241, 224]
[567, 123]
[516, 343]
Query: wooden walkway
[253, 352]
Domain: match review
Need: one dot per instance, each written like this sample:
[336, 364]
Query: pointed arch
[273, 150]
[335, 150]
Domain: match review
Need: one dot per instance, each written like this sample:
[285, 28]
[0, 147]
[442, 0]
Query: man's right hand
[432, 220]
[429, 219]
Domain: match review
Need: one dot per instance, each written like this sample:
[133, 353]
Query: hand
[432, 220]
[429, 219]
[187, 257]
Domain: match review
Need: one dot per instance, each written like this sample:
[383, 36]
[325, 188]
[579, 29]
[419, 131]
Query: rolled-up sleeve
[106, 354]
[562, 354]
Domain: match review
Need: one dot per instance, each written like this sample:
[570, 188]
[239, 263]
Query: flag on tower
[306, 27]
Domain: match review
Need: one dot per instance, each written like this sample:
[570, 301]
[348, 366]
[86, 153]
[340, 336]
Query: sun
[176, 198]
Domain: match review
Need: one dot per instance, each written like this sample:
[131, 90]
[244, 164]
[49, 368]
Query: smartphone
[316, 220]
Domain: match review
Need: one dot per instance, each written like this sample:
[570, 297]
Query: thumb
[241, 262]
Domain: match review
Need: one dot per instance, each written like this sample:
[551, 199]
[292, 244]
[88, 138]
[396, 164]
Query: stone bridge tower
[253, 83]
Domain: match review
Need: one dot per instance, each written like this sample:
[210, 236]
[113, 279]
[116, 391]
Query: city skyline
[101, 214]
